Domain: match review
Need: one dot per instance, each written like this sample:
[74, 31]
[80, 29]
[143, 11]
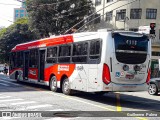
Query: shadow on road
[126, 100]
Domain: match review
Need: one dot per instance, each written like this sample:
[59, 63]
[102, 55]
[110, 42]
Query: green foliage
[17, 33]
[56, 16]
[2, 32]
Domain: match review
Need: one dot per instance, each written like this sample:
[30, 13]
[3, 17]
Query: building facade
[20, 12]
[129, 15]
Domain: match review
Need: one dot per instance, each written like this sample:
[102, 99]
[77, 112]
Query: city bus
[101, 61]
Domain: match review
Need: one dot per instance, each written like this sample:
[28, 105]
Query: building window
[17, 11]
[21, 11]
[109, 16]
[151, 13]
[21, 15]
[121, 14]
[109, 1]
[97, 2]
[136, 13]
[154, 53]
[97, 18]
[17, 15]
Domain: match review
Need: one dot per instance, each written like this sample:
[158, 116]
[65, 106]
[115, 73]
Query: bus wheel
[53, 84]
[66, 87]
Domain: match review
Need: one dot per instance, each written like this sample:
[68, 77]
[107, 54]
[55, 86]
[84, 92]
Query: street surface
[29, 97]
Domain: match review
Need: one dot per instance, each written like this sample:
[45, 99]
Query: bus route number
[79, 68]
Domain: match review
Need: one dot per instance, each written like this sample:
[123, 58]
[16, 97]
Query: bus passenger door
[26, 65]
[41, 64]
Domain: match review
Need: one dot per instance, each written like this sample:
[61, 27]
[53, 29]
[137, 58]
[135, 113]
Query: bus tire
[53, 84]
[66, 87]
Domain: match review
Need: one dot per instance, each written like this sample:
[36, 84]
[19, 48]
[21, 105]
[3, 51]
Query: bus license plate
[129, 76]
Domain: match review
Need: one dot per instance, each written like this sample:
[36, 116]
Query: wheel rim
[152, 89]
[53, 83]
[66, 86]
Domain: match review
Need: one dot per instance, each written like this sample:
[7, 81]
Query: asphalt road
[111, 106]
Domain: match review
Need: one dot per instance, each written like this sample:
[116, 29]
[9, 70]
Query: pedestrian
[5, 69]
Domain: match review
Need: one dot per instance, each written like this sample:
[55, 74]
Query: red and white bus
[90, 61]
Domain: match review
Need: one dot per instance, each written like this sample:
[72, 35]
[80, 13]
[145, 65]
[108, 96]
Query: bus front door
[26, 65]
[41, 65]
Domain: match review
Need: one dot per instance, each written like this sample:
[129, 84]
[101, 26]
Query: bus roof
[43, 43]
[46, 42]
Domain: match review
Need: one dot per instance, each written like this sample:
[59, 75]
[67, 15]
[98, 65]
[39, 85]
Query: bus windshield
[131, 49]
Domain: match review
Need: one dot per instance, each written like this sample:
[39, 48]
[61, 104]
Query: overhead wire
[90, 16]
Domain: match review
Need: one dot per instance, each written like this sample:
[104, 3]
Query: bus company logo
[32, 72]
[63, 67]
[80, 68]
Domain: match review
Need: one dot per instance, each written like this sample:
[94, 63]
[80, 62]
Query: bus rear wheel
[66, 87]
[53, 84]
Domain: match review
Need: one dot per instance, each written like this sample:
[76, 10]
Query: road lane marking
[10, 100]
[4, 84]
[68, 97]
[38, 106]
[5, 97]
[71, 98]
[10, 82]
[119, 108]
[21, 103]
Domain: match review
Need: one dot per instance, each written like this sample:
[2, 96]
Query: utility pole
[103, 8]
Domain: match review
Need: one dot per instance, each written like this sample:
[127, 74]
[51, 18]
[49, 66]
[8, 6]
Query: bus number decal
[79, 68]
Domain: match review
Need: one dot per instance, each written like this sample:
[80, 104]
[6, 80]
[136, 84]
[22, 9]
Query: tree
[17, 33]
[56, 16]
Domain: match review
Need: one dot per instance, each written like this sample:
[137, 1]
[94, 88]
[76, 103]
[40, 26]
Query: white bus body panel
[88, 77]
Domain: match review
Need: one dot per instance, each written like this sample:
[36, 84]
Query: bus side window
[52, 55]
[64, 54]
[80, 51]
[33, 58]
[94, 49]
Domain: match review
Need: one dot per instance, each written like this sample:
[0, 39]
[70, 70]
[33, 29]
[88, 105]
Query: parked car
[154, 86]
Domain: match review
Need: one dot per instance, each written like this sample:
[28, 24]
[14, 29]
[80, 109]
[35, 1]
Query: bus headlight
[125, 67]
